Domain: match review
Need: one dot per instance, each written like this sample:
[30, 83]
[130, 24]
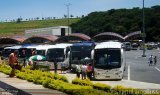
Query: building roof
[133, 35]
[74, 37]
[108, 36]
[41, 39]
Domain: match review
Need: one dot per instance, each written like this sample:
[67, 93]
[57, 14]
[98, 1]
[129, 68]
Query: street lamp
[143, 34]
[67, 5]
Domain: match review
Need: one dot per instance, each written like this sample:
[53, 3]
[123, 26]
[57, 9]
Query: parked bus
[108, 60]
[42, 49]
[8, 50]
[57, 52]
[78, 52]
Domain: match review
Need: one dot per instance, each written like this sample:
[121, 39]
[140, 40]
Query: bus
[8, 50]
[57, 52]
[42, 49]
[108, 61]
[78, 52]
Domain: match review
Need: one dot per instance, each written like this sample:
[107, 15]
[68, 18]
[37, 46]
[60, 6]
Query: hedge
[77, 87]
[54, 81]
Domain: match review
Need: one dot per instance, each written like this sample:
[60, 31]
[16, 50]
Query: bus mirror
[92, 54]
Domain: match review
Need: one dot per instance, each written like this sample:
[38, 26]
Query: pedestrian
[84, 71]
[63, 66]
[150, 60]
[89, 71]
[1, 58]
[78, 70]
[155, 60]
[33, 52]
[24, 57]
[13, 60]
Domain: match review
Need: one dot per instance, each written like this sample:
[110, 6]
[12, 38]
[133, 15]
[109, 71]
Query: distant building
[57, 31]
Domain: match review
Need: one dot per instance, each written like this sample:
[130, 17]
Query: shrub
[21, 75]
[101, 86]
[30, 77]
[85, 82]
[46, 82]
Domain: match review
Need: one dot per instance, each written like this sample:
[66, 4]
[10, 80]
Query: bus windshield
[81, 52]
[40, 52]
[24, 52]
[55, 54]
[107, 58]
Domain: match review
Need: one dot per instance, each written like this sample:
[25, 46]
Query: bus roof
[61, 45]
[84, 44]
[13, 47]
[44, 47]
[108, 45]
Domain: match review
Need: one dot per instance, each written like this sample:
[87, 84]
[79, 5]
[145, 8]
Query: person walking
[63, 66]
[24, 57]
[89, 71]
[12, 60]
[78, 70]
[155, 60]
[1, 58]
[150, 60]
[84, 71]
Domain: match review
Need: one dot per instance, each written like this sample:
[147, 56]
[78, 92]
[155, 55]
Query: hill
[122, 21]
[14, 28]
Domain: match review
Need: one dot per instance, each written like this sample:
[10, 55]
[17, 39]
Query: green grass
[13, 28]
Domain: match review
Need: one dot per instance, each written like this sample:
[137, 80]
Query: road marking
[128, 72]
[157, 69]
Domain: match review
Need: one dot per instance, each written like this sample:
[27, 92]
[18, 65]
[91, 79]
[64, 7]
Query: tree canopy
[121, 21]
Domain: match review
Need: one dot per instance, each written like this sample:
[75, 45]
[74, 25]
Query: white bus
[42, 49]
[108, 61]
[57, 52]
[8, 50]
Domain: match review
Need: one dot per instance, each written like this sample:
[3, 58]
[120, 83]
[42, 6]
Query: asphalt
[139, 67]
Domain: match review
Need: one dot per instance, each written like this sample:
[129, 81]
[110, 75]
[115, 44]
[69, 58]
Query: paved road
[139, 68]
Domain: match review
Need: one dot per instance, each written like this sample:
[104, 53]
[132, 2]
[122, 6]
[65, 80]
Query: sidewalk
[126, 83]
[24, 87]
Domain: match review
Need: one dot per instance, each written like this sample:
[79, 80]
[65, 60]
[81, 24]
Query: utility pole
[68, 5]
[143, 34]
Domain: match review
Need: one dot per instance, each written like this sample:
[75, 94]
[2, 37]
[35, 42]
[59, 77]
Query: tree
[71, 16]
[65, 16]
[37, 18]
[19, 20]
[121, 21]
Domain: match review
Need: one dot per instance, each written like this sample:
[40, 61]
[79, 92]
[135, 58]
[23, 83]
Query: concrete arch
[12, 40]
[41, 39]
[74, 37]
[105, 36]
[132, 36]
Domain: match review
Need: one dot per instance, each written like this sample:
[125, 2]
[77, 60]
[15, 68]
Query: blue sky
[12, 9]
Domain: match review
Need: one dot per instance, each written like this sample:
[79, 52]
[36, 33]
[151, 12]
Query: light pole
[143, 34]
[67, 5]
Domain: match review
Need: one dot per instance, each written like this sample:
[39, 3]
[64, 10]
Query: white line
[157, 69]
[128, 72]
